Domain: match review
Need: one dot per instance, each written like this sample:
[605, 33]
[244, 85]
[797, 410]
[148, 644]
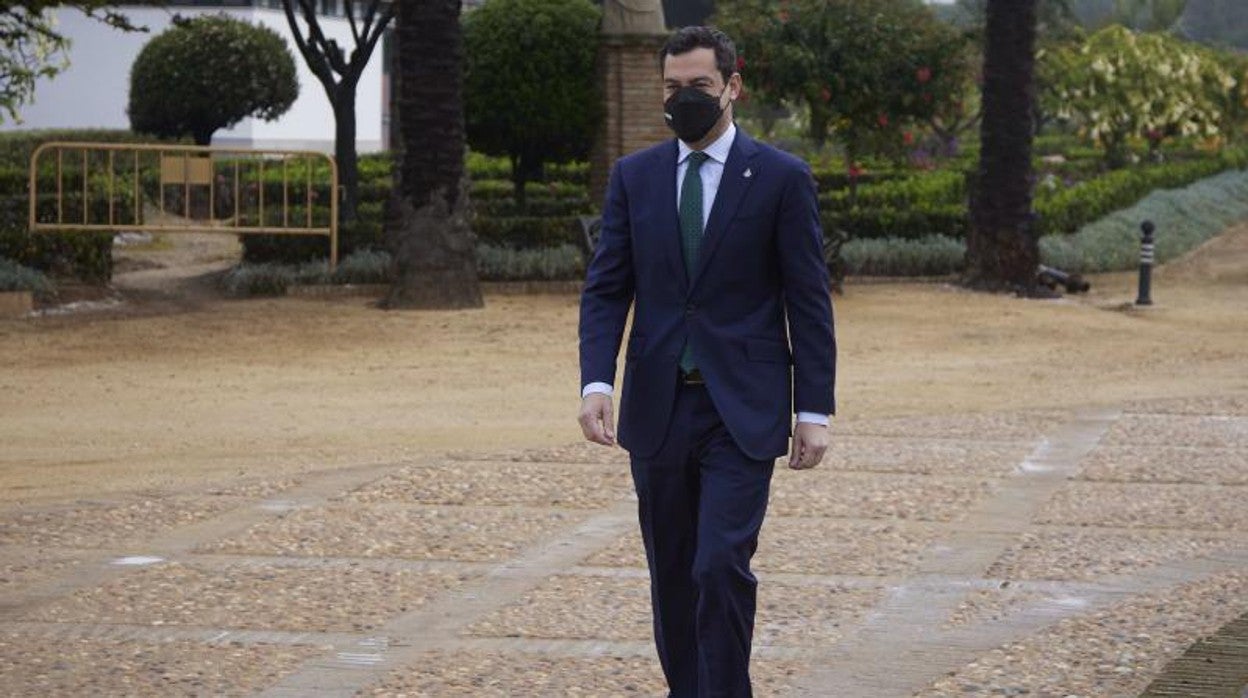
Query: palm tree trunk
[1002, 249]
[428, 223]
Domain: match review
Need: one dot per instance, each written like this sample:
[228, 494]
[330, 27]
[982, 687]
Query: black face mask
[692, 113]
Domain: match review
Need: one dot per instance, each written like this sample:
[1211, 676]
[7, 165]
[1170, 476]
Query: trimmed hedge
[931, 255]
[86, 256]
[935, 204]
[904, 222]
[1066, 210]
[528, 231]
[1185, 218]
[564, 262]
[937, 187]
[17, 146]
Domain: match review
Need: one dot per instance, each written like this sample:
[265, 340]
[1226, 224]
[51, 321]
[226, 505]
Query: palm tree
[427, 222]
[1002, 250]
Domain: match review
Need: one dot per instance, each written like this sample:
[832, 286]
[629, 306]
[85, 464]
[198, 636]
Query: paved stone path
[1039, 553]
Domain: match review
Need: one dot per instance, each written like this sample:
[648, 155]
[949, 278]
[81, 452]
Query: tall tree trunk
[428, 225]
[1002, 249]
[345, 153]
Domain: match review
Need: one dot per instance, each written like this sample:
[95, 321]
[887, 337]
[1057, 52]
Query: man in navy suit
[713, 239]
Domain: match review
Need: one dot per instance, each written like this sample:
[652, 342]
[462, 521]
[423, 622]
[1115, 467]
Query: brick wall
[628, 68]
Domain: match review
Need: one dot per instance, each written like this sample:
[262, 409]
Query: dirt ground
[176, 387]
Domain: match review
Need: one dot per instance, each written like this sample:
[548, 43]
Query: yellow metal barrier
[183, 189]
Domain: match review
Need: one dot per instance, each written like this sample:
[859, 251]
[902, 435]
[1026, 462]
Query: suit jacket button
[690, 309]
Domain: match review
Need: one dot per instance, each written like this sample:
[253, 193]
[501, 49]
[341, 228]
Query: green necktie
[691, 229]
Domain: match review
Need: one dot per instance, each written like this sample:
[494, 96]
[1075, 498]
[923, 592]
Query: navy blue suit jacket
[761, 263]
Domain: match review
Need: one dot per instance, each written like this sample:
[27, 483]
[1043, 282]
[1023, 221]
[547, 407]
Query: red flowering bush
[868, 70]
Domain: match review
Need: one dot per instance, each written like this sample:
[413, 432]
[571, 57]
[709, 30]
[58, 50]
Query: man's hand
[810, 441]
[597, 419]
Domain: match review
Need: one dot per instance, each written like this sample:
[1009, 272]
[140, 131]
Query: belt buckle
[693, 377]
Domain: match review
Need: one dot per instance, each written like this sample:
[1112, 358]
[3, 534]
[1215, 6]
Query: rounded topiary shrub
[530, 90]
[209, 73]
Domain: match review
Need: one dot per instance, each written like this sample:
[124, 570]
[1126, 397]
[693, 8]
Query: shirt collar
[717, 151]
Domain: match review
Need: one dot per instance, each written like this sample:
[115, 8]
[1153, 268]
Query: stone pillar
[628, 71]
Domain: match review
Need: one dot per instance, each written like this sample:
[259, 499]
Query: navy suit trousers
[701, 506]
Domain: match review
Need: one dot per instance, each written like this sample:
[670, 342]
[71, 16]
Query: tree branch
[314, 57]
[370, 14]
[329, 48]
[349, 6]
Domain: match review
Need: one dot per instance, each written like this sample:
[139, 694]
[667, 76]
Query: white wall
[94, 90]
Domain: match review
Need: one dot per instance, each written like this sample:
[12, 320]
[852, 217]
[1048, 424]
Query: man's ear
[734, 86]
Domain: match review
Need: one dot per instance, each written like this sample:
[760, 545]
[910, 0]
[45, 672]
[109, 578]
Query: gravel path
[1034, 553]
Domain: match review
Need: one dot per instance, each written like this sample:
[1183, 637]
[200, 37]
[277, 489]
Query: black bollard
[1146, 264]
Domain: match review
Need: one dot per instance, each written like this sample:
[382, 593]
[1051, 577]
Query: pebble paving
[1042, 553]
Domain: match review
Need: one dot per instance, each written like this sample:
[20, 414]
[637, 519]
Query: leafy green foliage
[15, 277]
[865, 69]
[209, 73]
[86, 256]
[1120, 85]
[28, 52]
[531, 92]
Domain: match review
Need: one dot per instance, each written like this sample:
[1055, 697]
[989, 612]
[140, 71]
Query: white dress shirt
[712, 171]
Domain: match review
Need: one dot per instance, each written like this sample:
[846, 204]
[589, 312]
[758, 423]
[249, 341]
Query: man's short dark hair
[687, 39]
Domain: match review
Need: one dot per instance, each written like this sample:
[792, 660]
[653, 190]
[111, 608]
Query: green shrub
[935, 203]
[528, 231]
[899, 222]
[931, 255]
[15, 277]
[942, 187]
[246, 280]
[16, 147]
[499, 189]
[209, 73]
[834, 180]
[1065, 210]
[1184, 218]
[551, 207]
[562, 263]
[364, 267]
[531, 95]
[86, 256]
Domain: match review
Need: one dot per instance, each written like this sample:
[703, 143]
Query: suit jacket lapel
[670, 216]
[733, 186]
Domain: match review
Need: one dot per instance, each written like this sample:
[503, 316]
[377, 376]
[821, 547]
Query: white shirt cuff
[809, 417]
[813, 418]
[603, 388]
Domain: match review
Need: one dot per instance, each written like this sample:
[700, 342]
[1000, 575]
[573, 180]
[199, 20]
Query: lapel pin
[748, 172]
